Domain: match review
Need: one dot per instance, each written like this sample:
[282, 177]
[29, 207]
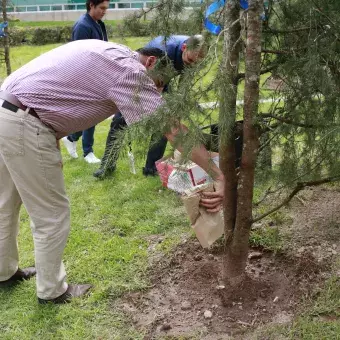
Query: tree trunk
[227, 113]
[237, 251]
[6, 38]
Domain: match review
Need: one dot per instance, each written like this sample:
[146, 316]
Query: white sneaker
[71, 147]
[91, 158]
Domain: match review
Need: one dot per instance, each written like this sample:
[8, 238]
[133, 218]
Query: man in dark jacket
[183, 51]
[89, 26]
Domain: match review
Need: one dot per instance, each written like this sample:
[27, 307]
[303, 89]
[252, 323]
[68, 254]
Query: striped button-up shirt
[78, 85]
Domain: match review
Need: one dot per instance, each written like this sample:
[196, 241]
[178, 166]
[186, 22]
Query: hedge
[44, 35]
[62, 34]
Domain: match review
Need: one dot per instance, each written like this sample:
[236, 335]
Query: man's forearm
[199, 155]
[212, 201]
[202, 157]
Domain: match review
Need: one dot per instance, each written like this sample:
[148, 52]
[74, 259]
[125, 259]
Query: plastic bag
[132, 162]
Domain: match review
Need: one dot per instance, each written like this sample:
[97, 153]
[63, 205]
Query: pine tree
[293, 43]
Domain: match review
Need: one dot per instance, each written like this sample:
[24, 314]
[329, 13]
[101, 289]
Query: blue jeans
[87, 139]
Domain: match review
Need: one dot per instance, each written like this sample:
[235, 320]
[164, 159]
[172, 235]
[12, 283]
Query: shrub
[49, 35]
[17, 36]
[46, 35]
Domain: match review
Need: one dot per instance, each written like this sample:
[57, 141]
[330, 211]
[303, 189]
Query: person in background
[89, 26]
[183, 51]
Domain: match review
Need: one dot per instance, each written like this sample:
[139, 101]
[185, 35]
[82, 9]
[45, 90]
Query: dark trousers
[110, 157]
[211, 140]
[264, 160]
[87, 139]
[156, 150]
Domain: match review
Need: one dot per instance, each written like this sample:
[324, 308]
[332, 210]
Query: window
[21, 9]
[136, 5]
[45, 8]
[70, 7]
[81, 7]
[32, 8]
[126, 5]
[112, 5]
[57, 8]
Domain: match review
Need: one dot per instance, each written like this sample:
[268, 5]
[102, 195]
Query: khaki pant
[30, 173]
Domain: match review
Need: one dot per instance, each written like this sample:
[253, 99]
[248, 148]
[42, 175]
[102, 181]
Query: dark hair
[94, 2]
[151, 51]
[164, 67]
[163, 60]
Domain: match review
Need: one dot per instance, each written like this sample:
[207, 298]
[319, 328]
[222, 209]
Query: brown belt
[13, 104]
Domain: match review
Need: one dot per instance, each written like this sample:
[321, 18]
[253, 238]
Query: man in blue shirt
[89, 26]
[183, 51]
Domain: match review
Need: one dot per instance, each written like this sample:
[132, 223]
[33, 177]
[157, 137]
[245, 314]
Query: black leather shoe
[73, 291]
[101, 173]
[149, 171]
[20, 275]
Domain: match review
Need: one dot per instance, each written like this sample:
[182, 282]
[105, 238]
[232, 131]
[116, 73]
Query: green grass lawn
[112, 221]
[40, 23]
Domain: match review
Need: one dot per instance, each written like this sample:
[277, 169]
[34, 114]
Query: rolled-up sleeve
[135, 95]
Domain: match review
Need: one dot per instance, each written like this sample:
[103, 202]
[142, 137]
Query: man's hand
[212, 201]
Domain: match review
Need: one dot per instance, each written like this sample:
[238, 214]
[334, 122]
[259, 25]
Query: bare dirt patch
[188, 297]
[316, 218]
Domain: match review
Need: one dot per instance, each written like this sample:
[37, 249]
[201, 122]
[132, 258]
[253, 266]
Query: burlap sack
[208, 227]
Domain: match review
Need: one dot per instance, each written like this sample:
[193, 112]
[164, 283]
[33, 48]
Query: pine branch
[318, 9]
[276, 51]
[266, 194]
[291, 122]
[144, 11]
[295, 30]
[264, 71]
[271, 192]
[299, 187]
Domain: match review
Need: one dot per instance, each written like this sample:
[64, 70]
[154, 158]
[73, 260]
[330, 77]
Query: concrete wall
[112, 14]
